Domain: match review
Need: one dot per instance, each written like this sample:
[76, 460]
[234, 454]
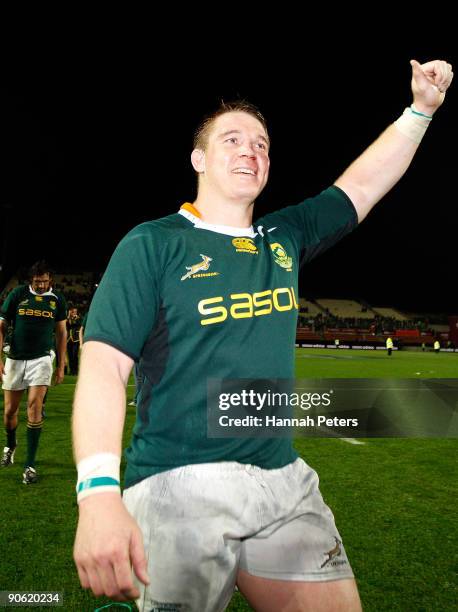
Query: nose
[247, 151]
[247, 148]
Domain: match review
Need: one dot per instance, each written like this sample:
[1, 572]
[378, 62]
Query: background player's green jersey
[73, 328]
[33, 318]
[192, 301]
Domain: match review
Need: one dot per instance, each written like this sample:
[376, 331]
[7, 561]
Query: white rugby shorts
[202, 523]
[21, 374]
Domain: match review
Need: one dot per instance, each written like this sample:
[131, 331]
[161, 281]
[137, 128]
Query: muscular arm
[377, 170]
[108, 541]
[61, 345]
[381, 166]
[100, 400]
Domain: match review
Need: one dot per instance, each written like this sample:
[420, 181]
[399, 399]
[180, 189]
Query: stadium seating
[345, 308]
[389, 312]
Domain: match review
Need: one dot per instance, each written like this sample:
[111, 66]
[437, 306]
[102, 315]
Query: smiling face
[235, 162]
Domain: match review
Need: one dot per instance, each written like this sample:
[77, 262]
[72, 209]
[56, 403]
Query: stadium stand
[354, 322]
[384, 311]
[308, 307]
[345, 309]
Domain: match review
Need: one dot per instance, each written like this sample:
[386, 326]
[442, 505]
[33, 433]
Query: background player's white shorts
[22, 374]
[201, 523]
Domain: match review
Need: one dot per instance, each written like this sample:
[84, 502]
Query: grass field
[394, 500]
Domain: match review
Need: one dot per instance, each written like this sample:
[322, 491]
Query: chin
[248, 194]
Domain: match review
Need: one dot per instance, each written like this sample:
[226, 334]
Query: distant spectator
[81, 332]
[73, 340]
[389, 346]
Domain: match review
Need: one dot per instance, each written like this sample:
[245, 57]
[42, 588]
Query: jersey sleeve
[61, 311]
[317, 223]
[8, 309]
[125, 306]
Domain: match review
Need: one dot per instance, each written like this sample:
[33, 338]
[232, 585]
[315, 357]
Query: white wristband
[98, 474]
[413, 124]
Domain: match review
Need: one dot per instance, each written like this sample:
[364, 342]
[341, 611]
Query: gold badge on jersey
[245, 245]
[38, 298]
[281, 257]
[199, 270]
[52, 303]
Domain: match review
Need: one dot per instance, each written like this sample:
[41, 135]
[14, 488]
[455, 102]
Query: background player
[36, 313]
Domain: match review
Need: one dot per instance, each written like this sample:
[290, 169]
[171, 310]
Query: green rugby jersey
[33, 318]
[73, 328]
[191, 301]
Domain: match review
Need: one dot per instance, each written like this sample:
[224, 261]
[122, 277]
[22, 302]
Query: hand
[59, 376]
[430, 81]
[108, 543]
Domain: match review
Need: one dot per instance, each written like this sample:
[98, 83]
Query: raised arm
[108, 541]
[381, 166]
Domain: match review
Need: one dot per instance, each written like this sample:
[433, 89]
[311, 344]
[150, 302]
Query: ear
[198, 160]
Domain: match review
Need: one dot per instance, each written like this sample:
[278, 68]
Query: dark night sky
[87, 154]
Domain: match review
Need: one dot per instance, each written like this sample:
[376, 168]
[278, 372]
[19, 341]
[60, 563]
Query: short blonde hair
[203, 129]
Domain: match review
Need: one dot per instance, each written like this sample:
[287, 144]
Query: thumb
[417, 72]
[137, 556]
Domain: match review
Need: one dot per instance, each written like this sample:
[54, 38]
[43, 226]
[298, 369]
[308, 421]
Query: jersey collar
[49, 292]
[191, 213]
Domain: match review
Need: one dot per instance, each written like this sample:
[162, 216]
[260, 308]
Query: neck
[220, 211]
[47, 292]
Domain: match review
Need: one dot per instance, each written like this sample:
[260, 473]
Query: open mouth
[244, 171]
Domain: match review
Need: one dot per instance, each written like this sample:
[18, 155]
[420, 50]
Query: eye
[232, 140]
[262, 145]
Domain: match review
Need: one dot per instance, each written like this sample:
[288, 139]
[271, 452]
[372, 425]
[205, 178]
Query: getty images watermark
[269, 401]
[332, 408]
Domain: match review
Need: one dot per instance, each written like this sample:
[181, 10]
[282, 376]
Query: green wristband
[101, 481]
[415, 112]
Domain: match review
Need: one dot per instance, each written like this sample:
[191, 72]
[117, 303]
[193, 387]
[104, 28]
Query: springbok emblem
[198, 267]
[334, 552]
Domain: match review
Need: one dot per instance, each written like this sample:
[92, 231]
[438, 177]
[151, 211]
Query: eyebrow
[224, 134]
